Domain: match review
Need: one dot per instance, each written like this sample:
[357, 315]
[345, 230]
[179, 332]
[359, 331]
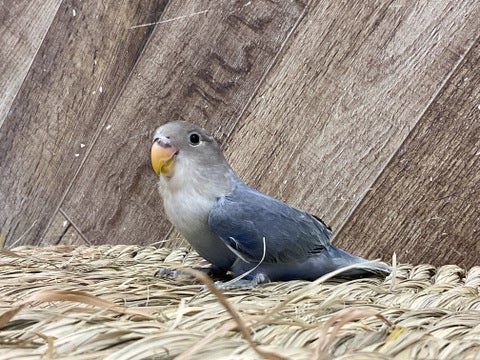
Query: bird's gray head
[182, 150]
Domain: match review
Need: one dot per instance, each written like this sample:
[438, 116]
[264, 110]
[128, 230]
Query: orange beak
[162, 156]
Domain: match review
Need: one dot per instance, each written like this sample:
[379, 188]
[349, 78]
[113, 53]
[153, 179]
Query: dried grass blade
[335, 323]
[199, 345]
[84, 298]
[234, 314]
[8, 315]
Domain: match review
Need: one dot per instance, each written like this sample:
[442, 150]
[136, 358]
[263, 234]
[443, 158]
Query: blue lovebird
[238, 229]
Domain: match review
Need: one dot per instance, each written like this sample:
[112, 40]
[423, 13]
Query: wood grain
[363, 112]
[23, 25]
[425, 205]
[350, 87]
[61, 231]
[78, 71]
[202, 63]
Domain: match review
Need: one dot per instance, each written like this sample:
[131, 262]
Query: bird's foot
[259, 278]
[168, 273]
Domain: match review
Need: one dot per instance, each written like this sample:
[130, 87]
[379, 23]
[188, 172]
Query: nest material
[104, 302]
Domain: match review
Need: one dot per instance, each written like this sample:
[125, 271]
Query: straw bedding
[104, 302]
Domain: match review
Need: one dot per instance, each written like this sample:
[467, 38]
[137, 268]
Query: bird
[239, 230]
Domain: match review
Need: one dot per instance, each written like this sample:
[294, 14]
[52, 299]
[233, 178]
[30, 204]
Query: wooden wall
[366, 113]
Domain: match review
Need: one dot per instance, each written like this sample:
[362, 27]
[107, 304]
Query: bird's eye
[194, 139]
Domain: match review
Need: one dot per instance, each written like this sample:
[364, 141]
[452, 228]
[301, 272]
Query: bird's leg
[211, 271]
[168, 273]
[259, 278]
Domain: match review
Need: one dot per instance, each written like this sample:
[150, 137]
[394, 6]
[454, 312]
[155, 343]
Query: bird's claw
[243, 283]
[167, 273]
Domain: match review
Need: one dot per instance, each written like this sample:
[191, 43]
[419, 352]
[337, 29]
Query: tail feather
[341, 258]
[313, 267]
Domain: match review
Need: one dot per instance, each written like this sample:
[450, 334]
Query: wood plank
[347, 92]
[203, 63]
[23, 25]
[62, 232]
[80, 68]
[58, 228]
[425, 205]
[202, 66]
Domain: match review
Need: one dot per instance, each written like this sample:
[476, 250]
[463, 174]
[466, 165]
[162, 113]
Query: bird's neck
[211, 183]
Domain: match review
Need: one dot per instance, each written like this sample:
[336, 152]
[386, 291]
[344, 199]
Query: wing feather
[243, 218]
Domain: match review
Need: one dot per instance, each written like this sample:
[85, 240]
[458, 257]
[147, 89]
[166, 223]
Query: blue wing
[247, 218]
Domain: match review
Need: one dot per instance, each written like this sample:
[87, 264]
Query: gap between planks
[95, 138]
[432, 100]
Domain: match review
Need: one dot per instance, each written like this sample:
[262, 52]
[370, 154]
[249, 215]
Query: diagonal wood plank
[425, 205]
[62, 232]
[203, 63]
[77, 73]
[23, 25]
[349, 88]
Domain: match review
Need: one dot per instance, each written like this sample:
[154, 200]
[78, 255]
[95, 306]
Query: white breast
[187, 206]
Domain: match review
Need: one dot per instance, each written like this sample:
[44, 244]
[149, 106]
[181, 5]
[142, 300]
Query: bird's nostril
[162, 141]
